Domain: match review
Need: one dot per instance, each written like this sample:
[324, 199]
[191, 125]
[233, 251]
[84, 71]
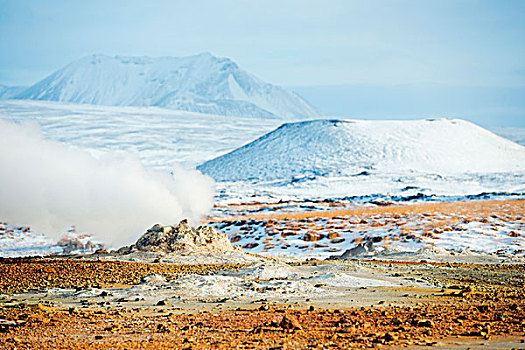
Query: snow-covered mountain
[7, 92]
[358, 147]
[201, 83]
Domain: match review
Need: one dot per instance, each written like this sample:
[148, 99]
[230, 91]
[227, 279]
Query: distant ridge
[200, 83]
[7, 92]
[361, 148]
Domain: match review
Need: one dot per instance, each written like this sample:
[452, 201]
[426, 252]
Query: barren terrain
[374, 300]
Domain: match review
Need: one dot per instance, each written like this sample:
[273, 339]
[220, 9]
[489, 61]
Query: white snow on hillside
[356, 147]
[201, 83]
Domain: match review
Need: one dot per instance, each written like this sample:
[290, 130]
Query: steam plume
[51, 186]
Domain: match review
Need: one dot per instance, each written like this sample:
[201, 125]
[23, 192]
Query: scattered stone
[6, 325]
[388, 337]
[264, 307]
[162, 328]
[425, 323]
[290, 322]
[333, 235]
[312, 237]
[360, 249]
[236, 239]
[154, 279]
[250, 245]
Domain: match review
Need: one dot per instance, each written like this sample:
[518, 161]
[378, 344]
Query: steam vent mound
[182, 238]
[356, 147]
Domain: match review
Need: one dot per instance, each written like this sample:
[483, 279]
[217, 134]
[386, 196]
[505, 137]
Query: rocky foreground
[478, 305]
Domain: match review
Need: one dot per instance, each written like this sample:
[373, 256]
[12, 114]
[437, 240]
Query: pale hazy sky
[468, 43]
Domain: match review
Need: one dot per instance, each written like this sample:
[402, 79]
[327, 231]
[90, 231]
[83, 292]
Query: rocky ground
[463, 305]
[144, 297]
[23, 275]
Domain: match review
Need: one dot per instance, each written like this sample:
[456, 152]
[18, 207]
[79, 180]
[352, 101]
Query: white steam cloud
[51, 186]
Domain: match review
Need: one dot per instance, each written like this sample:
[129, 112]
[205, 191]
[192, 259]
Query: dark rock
[362, 248]
[289, 322]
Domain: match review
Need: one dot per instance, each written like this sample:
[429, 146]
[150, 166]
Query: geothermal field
[319, 234]
[183, 203]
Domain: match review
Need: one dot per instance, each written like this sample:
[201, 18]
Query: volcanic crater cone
[360, 147]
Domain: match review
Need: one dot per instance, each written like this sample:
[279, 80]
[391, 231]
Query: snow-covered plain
[22, 241]
[159, 137]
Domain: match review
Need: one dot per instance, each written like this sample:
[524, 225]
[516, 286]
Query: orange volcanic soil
[515, 207]
[488, 309]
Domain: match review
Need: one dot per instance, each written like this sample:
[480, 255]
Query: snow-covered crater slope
[200, 83]
[357, 147]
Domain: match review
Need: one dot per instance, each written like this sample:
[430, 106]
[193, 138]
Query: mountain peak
[199, 83]
[205, 54]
